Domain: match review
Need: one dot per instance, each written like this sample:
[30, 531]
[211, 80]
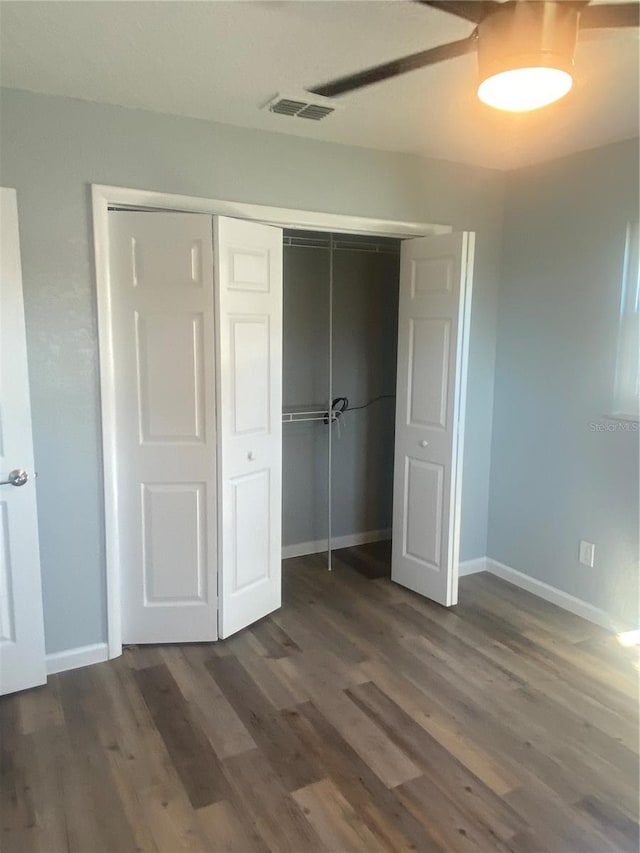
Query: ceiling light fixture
[525, 48]
[525, 55]
[522, 89]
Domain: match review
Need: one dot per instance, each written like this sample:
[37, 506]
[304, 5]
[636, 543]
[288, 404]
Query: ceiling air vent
[299, 107]
[286, 107]
[315, 112]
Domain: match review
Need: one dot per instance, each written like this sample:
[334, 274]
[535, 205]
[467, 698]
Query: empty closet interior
[340, 313]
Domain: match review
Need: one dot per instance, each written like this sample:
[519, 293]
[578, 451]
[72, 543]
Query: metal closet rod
[339, 406]
[317, 415]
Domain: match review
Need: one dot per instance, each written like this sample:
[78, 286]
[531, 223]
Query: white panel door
[249, 312]
[433, 331]
[161, 284]
[22, 662]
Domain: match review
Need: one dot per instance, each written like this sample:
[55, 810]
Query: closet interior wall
[365, 331]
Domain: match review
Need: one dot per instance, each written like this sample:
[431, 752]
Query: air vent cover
[314, 110]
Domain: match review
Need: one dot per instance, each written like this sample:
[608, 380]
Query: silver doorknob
[424, 443]
[17, 477]
[251, 456]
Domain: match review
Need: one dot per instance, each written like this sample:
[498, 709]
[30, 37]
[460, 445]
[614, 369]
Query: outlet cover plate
[587, 553]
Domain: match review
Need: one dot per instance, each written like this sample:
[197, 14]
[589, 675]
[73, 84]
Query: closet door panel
[433, 329]
[174, 534]
[170, 379]
[250, 369]
[429, 353]
[422, 539]
[248, 260]
[161, 267]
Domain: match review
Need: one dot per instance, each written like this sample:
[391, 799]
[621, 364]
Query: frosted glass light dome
[523, 89]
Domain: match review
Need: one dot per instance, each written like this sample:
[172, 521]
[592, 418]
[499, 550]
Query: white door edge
[460, 410]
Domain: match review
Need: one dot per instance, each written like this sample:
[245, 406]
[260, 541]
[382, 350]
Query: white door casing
[162, 315]
[103, 199]
[433, 331]
[248, 262]
[22, 656]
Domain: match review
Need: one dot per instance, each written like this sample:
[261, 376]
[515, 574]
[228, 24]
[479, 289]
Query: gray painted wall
[305, 354]
[365, 333]
[52, 150]
[555, 479]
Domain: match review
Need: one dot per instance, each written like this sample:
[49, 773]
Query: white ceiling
[224, 60]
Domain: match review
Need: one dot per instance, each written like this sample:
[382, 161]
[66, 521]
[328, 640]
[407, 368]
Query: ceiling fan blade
[470, 10]
[395, 68]
[610, 16]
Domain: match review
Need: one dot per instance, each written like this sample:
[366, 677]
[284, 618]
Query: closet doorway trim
[103, 197]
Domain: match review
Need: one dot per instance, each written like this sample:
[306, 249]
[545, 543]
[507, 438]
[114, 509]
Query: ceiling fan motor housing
[528, 34]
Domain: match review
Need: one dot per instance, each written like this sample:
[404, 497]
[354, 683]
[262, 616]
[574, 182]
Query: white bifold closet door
[248, 258]
[162, 299]
[433, 332]
[197, 373]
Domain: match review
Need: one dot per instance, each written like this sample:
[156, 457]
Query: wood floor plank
[597, 779]
[227, 832]
[17, 811]
[278, 818]
[616, 827]
[387, 761]
[358, 717]
[449, 824]
[584, 672]
[499, 821]
[306, 624]
[444, 626]
[523, 748]
[190, 751]
[208, 705]
[556, 826]
[132, 804]
[283, 751]
[279, 690]
[454, 650]
[372, 560]
[141, 657]
[275, 641]
[96, 818]
[126, 729]
[172, 822]
[549, 636]
[336, 822]
[534, 610]
[42, 758]
[379, 807]
[39, 709]
[523, 704]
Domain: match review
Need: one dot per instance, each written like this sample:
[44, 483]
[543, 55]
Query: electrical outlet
[587, 553]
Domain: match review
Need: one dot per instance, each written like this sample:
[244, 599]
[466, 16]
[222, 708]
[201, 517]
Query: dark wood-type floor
[358, 717]
[372, 560]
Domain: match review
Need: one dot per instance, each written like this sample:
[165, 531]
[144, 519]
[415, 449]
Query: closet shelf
[301, 417]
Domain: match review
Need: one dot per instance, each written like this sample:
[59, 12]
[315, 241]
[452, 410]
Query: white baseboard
[472, 567]
[301, 549]
[74, 658]
[551, 594]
